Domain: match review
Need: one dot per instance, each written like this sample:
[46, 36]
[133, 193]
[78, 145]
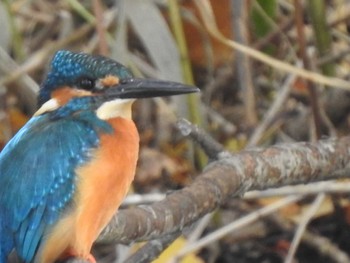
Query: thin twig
[209, 21]
[302, 226]
[326, 247]
[313, 94]
[224, 125]
[281, 30]
[242, 222]
[100, 28]
[37, 59]
[211, 147]
[320, 243]
[278, 103]
[138, 199]
[152, 249]
[193, 237]
[199, 229]
[284, 27]
[239, 14]
[328, 187]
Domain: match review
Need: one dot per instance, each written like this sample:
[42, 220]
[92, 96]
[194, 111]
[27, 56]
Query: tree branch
[232, 175]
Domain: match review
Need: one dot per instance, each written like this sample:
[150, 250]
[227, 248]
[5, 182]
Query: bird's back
[38, 176]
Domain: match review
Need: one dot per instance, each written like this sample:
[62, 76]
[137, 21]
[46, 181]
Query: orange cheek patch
[109, 81]
[64, 94]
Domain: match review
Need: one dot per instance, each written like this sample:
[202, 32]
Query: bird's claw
[74, 257]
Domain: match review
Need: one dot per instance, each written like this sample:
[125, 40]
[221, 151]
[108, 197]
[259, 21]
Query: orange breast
[101, 186]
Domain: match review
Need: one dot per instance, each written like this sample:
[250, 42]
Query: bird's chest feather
[101, 185]
[105, 180]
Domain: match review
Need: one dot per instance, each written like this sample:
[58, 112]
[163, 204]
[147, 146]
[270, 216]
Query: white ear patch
[115, 108]
[50, 105]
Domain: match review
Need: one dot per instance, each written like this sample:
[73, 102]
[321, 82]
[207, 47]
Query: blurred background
[269, 71]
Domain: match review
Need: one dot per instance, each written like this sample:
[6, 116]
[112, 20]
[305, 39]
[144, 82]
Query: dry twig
[302, 227]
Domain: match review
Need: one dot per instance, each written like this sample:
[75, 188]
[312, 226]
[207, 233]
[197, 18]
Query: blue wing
[37, 176]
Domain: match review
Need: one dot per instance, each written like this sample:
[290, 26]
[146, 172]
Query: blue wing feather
[37, 176]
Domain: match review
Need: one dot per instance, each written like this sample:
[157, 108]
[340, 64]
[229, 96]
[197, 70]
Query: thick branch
[232, 175]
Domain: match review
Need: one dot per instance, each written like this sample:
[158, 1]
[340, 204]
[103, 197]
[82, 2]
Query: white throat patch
[115, 108]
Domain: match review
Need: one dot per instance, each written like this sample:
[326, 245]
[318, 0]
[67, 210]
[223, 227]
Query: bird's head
[73, 75]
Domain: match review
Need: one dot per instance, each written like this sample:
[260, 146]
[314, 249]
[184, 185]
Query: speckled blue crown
[68, 67]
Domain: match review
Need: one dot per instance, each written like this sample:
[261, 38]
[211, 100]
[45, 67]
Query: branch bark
[232, 175]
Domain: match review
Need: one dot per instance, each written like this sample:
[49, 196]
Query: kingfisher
[65, 173]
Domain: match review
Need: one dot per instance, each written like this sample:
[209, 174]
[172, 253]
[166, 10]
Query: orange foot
[73, 254]
[91, 258]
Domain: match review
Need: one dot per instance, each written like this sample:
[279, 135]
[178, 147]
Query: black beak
[136, 88]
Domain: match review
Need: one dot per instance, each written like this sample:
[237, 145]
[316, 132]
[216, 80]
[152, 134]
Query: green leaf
[260, 24]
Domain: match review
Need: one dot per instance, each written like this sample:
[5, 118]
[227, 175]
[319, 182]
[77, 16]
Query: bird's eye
[86, 83]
